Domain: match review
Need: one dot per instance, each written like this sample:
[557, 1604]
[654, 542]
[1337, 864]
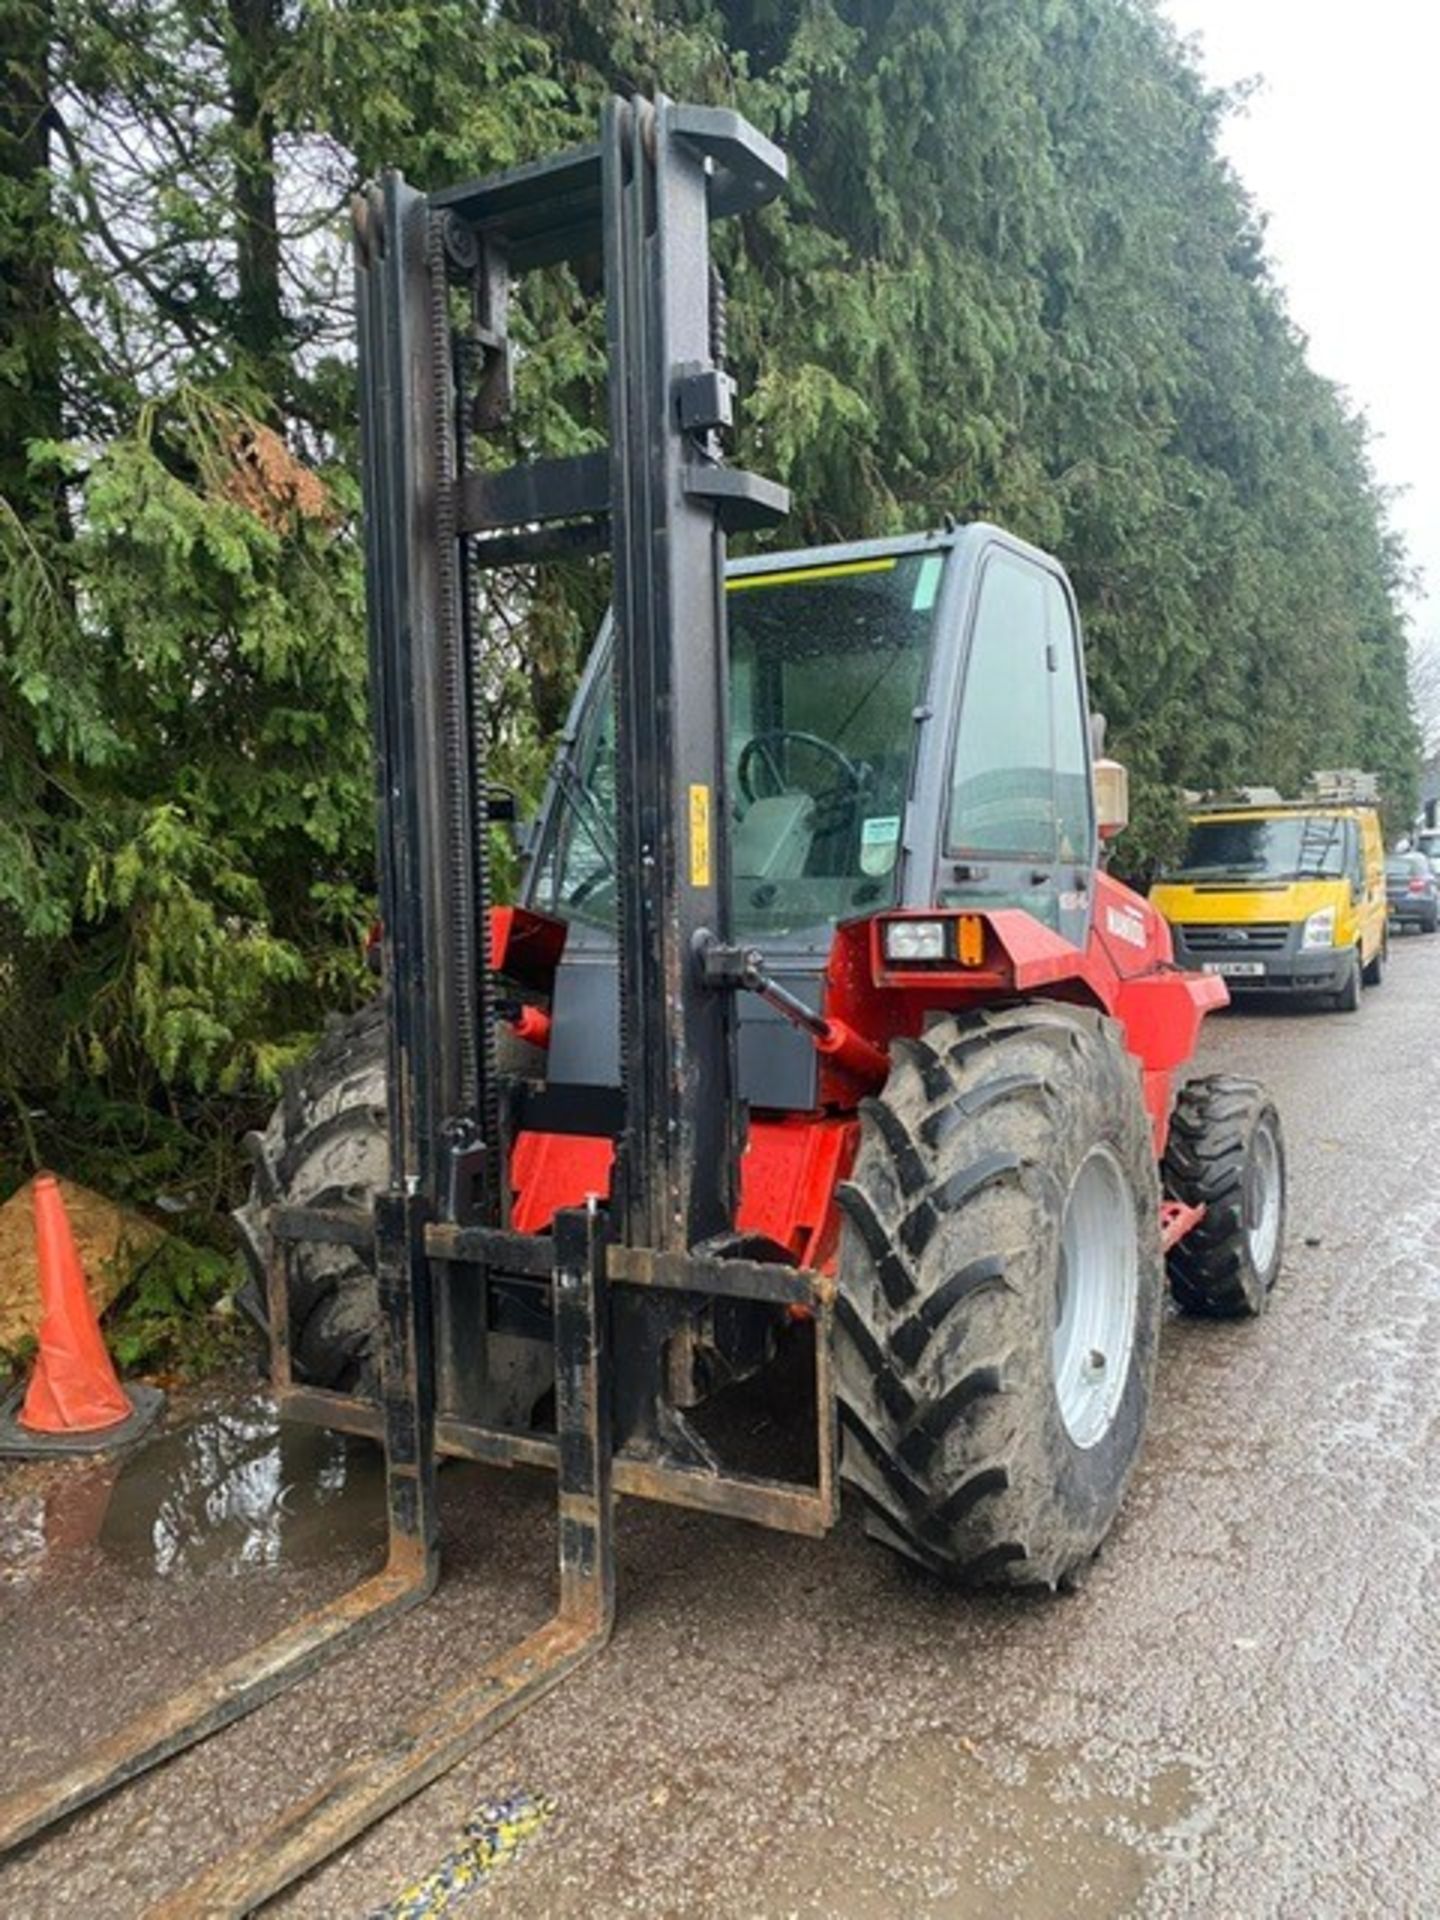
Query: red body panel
[794, 1162]
[1127, 971]
[526, 945]
[788, 1177]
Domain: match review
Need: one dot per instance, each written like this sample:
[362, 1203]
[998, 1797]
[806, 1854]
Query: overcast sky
[1339, 148]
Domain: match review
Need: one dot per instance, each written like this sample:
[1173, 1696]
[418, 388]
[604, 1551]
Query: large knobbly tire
[951, 1279]
[325, 1146]
[1226, 1152]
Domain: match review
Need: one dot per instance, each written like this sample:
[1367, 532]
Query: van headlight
[1319, 930]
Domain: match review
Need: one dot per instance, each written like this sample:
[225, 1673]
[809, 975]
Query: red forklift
[819, 1045]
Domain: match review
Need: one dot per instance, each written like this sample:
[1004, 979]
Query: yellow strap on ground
[494, 1833]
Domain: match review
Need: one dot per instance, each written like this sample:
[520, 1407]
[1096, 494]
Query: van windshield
[1277, 848]
[827, 668]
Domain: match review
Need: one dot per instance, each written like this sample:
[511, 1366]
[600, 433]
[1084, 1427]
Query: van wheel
[1374, 971]
[1347, 1000]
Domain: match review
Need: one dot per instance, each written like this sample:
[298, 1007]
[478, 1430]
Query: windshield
[1285, 847]
[827, 667]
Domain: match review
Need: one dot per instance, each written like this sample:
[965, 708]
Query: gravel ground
[1237, 1715]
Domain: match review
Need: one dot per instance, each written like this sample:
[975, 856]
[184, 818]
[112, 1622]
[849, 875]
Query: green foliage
[1012, 278]
[192, 830]
[176, 1312]
[1015, 281]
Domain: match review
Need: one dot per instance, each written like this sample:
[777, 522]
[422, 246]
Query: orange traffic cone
[75, 1402]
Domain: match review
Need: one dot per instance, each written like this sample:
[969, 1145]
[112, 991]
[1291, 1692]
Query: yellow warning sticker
[700, 836]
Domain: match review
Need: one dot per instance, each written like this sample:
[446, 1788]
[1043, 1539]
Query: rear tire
[1374, 971]
[985, 1441]
[1226, 1152]
[326, 1146]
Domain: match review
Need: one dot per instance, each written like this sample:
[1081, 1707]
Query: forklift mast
[662, 500]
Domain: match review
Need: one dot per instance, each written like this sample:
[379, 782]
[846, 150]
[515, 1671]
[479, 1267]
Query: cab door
[1020, 817]
[1374, 910]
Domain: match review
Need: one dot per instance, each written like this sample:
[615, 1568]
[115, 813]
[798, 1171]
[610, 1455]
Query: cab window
[1002, 795]
[1074, 811]
[827, 668]
[1020, 785]
[1357, 858]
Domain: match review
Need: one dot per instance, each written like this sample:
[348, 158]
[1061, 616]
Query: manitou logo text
[1128, 927]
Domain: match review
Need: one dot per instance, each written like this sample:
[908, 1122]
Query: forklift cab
[907, 727]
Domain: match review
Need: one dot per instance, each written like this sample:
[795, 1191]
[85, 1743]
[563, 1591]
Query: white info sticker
[879, 837]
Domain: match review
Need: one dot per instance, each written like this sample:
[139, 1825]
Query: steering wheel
[771, 750]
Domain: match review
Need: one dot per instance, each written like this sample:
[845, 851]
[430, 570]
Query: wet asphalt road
[1237, 1715]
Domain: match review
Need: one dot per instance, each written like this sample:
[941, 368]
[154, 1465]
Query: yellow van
[1286, 897]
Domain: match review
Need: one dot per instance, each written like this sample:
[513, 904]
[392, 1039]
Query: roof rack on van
[1227, 799]
[1344, 787]
[1336, 787]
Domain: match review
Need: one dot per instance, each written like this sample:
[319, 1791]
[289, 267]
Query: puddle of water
[22, 1537]
[954, 1830]
[238, 1488]
[49, 1512]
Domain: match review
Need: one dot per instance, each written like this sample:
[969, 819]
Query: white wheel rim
[1099, 1286]
[1262, 1198]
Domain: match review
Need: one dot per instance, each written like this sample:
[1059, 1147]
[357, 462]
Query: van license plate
[1235, 969]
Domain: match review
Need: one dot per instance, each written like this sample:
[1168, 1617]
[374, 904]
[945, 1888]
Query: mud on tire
[1216, 1158]
[950, 1289]
[325, 1146]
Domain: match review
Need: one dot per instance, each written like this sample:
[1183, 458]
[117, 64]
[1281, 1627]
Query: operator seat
[773, 838]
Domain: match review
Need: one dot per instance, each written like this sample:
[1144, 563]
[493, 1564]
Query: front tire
[1347, 1000]
[1374, 970]
[1226, 1152]
[1000, 1294]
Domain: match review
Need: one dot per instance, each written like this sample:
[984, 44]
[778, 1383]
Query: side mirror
[1112, 798]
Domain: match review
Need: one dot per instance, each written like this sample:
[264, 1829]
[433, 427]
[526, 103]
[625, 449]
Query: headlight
[915, 940]
[1319, 929]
